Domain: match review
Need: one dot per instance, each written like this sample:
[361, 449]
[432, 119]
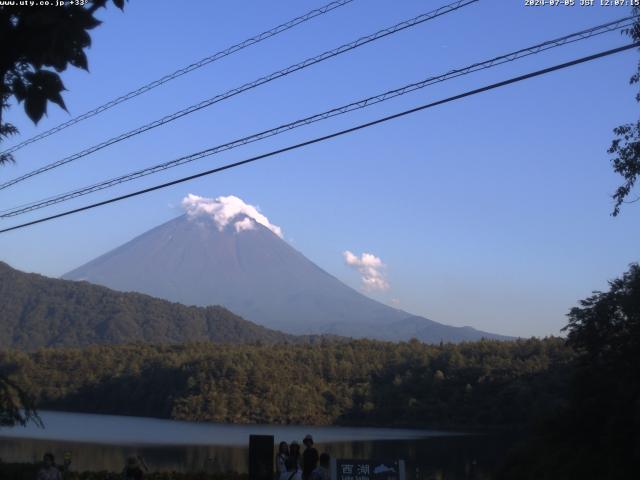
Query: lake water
[103, 442]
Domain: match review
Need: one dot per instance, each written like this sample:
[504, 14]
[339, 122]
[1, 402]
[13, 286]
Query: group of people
[291, 464]
[308, 465]
[133, 469]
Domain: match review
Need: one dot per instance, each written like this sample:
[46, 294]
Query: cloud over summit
[370, 268]
[226, 210]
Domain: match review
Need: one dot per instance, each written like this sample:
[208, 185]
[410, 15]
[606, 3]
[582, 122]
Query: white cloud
[370, 268]
[223, 210]
[246, 224]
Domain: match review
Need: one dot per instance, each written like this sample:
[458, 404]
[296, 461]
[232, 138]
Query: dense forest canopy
[485, 383]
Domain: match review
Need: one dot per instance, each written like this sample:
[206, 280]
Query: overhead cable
[451, 7]
[357, 105]
[340, 133]
[182, 71]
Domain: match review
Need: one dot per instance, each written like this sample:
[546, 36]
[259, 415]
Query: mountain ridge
[253, 272]
[38, 311]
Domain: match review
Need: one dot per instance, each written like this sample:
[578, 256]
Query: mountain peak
[224, 251]
[225, 211]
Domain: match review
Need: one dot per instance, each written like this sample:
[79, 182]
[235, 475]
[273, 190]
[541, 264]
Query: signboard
[355, 469]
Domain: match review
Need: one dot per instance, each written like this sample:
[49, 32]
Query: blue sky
[491, 212]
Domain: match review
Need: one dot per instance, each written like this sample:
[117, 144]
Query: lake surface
[103, 442]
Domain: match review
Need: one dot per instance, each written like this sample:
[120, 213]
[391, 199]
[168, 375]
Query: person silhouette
[281, 459]
[309, 458]
[49, 470]
[132, 470]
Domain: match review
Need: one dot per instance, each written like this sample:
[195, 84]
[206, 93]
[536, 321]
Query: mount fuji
[225, 252]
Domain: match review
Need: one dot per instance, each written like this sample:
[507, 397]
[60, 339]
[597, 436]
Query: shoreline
[80, 427]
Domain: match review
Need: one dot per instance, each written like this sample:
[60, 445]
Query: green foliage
[16, 406]
[597, 435]
[43, 41]
[625, 147]
[486, 383]
[605, 331]
[37, 311]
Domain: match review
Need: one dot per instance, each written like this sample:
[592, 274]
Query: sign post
[261, 457]
[354, 469]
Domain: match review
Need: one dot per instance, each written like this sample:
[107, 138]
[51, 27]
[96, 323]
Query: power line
[183, 71]
[486, 88]
[248, 86]
[360, 104]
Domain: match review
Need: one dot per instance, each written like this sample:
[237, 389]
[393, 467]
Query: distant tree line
[476, 384]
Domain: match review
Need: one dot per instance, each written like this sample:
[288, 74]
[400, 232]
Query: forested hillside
[485, 383]
[37, 311]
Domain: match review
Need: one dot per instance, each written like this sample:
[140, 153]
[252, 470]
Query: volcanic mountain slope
[37, 311]
[240, 261]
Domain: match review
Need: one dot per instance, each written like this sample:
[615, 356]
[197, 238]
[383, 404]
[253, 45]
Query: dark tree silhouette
[37, 44]
[16, 406]
[606, 327]
[605, 396]
[625, 147]
[597, 433]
